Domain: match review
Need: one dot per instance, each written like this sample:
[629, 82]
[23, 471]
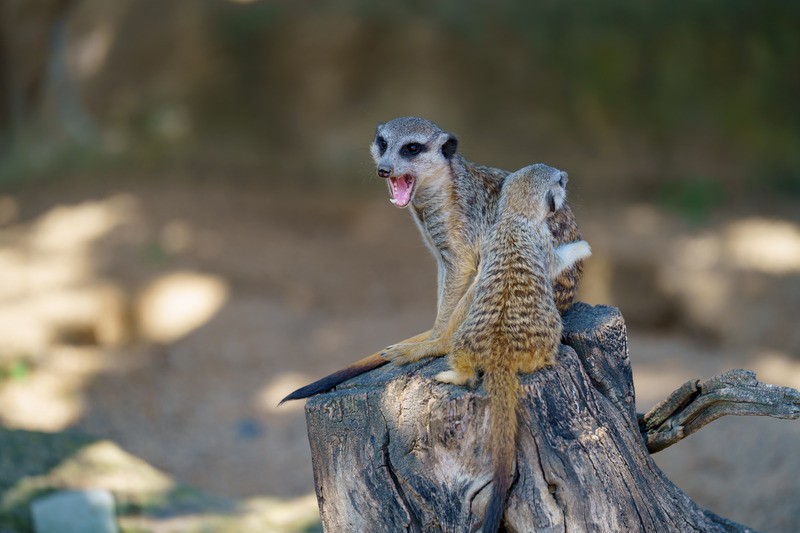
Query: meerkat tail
[340, 376]
[502, 386]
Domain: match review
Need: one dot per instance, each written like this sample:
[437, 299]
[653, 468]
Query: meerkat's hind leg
[569, 254]
[540, 358]
[463, 370]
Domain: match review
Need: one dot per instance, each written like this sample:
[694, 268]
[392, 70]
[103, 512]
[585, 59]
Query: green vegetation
[692, 198]
[15, 369]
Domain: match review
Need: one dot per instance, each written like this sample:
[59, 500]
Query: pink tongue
[401, 187]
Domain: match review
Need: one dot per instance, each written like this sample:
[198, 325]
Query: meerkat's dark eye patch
[382, 144]
[412, 149]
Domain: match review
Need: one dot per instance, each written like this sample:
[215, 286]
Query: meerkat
[454, 203]
[508, 321]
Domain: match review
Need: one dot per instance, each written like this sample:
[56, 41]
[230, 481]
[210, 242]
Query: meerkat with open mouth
[454, 203]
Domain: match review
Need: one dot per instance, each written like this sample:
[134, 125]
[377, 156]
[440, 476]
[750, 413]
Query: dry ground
[171, 316]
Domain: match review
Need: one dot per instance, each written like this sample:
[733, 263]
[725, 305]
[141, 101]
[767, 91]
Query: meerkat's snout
[384, 171]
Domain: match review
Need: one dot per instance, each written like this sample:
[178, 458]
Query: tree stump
[394, 450]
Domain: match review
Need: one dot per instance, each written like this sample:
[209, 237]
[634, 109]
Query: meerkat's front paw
[394, 352]
[405, 353]
[402, 353]
[454, 377]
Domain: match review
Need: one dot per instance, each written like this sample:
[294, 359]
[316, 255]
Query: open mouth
[401, 189]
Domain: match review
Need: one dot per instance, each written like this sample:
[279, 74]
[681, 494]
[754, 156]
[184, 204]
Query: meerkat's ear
[551, 201]
[449, 147]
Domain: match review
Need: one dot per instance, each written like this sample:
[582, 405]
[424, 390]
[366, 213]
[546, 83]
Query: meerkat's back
[512, 307]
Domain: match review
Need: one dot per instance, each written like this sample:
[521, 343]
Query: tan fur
[454, 205]
[508, 322]
[454, 215]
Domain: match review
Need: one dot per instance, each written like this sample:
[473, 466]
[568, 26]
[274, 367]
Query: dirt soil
[170, 316]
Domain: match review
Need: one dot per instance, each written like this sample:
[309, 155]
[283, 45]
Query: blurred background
[190, 225]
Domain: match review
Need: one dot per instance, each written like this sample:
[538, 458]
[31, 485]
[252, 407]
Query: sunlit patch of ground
[771, 246]
[178, 303]
[49, 396]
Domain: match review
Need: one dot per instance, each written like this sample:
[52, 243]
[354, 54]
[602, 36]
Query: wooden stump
[393, 450]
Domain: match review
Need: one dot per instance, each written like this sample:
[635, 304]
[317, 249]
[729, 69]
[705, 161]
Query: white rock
[90, 511]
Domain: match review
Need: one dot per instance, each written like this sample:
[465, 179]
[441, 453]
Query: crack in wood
[472, 497]
[547, 477]
[414, 521]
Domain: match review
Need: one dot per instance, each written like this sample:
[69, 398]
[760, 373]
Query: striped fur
[454, 206]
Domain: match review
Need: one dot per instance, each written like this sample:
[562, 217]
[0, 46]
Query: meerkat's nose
[384, 171]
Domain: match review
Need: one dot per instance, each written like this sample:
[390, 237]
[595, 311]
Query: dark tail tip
[328, 382]
[304, 392]
[496, 508]
[494, 512]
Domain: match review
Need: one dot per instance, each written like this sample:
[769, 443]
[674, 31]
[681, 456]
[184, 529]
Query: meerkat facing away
[454, 203]
[511, 323]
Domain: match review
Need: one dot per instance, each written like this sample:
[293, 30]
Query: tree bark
[393, 450]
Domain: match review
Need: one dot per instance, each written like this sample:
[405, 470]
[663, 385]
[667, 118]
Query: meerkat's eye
[382, 145]
[412, 149]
